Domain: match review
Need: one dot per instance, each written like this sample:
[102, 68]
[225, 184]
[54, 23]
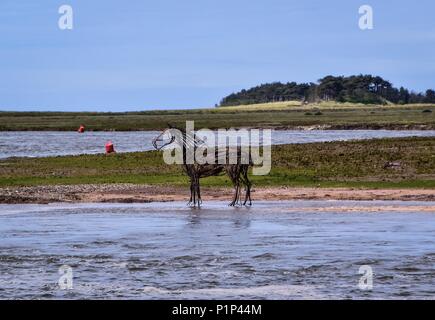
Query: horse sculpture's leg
[198, 193]
[234, 172]
[237, 189]
[248, 186]
[192, 191]
[239, 193]
[236, 192]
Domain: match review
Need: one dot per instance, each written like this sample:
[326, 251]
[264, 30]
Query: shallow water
[274, 250]
[42, 144]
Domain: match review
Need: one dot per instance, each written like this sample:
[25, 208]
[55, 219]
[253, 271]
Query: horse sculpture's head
[178, 137]
[165, 138]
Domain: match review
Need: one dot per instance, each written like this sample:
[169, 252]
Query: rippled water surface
[40, 144]
[274, 250]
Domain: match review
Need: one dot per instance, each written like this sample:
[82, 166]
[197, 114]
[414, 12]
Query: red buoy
[109, 147]
[81, 129]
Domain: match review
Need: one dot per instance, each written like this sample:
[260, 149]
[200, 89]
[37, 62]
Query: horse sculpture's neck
[189, 142]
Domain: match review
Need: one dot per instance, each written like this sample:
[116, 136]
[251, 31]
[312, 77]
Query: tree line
[365, 89]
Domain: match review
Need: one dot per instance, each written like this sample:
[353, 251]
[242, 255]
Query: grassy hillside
[277, 115]
[353, 163]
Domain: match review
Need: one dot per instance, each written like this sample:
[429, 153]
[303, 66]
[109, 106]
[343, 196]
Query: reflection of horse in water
[238, 172]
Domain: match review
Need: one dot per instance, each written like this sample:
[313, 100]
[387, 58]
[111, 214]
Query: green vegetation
[333, 164]
[289, 114]
[365, 89]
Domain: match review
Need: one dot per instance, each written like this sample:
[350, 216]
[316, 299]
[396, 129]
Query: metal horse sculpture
[238, 172]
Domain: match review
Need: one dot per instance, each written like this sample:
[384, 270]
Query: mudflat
[133, 193]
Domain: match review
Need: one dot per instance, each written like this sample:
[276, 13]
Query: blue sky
[142, 54]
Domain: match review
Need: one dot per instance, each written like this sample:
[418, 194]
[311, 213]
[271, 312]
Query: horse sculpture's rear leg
[191, 194]
[236, 190]
[233, 173]
[248, 186]
[236, 195]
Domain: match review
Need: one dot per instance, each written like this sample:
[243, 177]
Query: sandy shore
[130, 193]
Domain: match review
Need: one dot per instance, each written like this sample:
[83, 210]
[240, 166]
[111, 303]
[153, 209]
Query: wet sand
[131, 193]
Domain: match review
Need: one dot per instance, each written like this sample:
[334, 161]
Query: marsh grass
[279, 115]
[330, 164]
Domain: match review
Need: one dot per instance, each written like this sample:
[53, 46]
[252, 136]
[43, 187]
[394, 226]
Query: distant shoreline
[344, 127]
[280, 115]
